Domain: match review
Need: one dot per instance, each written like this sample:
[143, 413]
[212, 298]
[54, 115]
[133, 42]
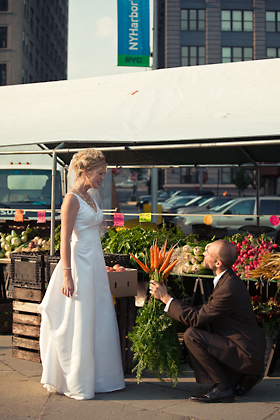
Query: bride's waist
[86, 234]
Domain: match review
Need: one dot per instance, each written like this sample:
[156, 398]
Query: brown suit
[236, 341]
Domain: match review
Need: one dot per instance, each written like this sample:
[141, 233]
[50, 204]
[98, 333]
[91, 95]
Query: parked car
[194, 192]
[125, 184]
[146, 199]
[198, 204]
[170, 206]
[239, 215]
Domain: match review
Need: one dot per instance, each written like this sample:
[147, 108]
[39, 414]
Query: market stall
[216, 115]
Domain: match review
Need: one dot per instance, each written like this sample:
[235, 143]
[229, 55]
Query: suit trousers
[207, 368]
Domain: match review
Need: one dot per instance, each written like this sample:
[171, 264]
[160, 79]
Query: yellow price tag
[208, 219]
[145, 217]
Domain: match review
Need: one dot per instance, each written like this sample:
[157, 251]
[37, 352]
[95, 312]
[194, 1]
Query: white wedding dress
[79, 338]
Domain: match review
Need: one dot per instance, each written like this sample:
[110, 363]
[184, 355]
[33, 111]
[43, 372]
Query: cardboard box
[123, 283]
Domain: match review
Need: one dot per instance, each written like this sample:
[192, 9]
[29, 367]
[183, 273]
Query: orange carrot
[143, 266]
[168, 270]
[167, 259]
[152, 262]
[156, 257]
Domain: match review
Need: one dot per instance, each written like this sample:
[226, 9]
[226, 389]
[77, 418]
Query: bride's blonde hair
[87, 159]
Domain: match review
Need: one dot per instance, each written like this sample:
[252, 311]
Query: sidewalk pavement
[22, 397]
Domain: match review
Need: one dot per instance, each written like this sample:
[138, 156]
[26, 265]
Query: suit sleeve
[218, 306]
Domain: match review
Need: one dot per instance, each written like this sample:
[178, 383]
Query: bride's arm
[69, 211]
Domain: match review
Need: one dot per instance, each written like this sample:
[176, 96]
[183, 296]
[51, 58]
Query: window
[230, 54]
[23, 41]
[237, 20]
[42, 36]
[272, 21]
[273, 52]
[3, 74]
[37, 28]
[3, 5]
[243, 207]
[47, 44]
[192, 56]
[31, 53]
[31, 18]
[37, 60]
[269, 207]
[26, 8]
[26, 45]
[192, 20]
[3, 36]
[42, 68]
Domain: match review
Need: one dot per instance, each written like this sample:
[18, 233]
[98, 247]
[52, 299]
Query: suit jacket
[237, 341]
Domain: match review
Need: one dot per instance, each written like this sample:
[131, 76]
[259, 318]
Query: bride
[79, 338]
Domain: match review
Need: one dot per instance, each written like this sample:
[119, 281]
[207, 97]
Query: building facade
[33, 41]
[199, 32]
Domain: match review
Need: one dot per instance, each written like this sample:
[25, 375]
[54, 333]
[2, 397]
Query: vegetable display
[27, 241]
[250, 252]
[139, 239]
[154, 338]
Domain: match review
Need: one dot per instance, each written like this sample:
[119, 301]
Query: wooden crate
[126, 314]
[26, 323]
[6, 316]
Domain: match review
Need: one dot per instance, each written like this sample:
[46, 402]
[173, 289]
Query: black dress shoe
[214, 395]
[246, 384]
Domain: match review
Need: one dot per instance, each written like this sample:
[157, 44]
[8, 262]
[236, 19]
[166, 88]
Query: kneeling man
[231, 356]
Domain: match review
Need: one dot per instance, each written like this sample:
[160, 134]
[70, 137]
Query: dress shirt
[217, 278]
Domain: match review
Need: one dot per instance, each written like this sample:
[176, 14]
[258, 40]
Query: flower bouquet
[154, 338]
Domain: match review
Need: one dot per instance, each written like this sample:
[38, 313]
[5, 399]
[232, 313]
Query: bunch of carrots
[160, 266]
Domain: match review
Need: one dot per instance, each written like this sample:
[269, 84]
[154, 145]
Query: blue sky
[92, 39]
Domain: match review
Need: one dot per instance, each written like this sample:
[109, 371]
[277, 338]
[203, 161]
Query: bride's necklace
[87, 198]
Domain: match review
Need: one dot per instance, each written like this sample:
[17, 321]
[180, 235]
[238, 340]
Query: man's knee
[197, 336]
[190, 335]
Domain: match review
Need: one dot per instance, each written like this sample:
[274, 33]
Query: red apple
[116, 266]
[121, 269]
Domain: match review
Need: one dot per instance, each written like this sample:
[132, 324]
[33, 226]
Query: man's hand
[159, 291]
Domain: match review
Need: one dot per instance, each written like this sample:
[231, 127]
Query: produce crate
[112, 259]
[27, 270]
[50, 262]
[126, 314]
[26, 324]
[123, 283]
[6, 316]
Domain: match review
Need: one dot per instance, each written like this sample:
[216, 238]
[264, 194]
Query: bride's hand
[68, 286]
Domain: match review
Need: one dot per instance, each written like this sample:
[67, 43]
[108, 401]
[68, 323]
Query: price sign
[41, 214]
[208, 219]
[145, 217]
[274, 220]
[18, 215]
[119, 219]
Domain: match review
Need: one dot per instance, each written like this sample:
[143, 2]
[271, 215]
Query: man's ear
[219, 263]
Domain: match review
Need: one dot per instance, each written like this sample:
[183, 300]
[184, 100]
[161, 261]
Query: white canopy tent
[220, 114]
[202, 110]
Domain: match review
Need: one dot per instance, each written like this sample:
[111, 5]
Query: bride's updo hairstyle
[87, 159]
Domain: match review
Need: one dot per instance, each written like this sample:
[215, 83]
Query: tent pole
[258, 193]
[53, 196]
[154, 194]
